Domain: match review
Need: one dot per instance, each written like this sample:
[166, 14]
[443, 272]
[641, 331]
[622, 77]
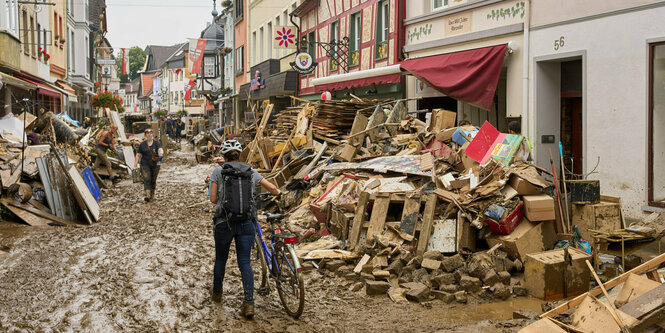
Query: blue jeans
[243, 233]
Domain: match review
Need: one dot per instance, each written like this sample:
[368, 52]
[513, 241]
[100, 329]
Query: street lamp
[106, 80]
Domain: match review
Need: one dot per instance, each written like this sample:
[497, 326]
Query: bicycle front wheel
[289, 281]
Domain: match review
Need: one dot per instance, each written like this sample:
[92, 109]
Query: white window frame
[262, 43]
[444, 4]
[209, 65]
[9, 14]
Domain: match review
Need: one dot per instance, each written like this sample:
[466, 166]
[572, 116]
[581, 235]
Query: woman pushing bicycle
[232, 190]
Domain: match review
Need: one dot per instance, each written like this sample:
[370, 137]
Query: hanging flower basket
[106, 99]
[227, 3]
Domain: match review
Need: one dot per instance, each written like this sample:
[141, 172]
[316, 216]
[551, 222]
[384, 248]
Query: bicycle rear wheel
[263, 288]
[289, 281]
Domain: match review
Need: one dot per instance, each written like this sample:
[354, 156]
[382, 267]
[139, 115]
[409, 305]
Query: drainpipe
[299, 41]
[526, 119]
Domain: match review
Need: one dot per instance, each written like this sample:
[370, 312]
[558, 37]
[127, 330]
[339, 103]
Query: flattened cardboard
[634, 287]
[522, 186]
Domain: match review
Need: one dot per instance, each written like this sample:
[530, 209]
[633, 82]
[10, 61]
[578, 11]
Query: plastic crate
[507, 225]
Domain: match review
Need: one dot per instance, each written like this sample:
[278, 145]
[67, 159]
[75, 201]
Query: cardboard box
[442, 119]
[522, 186]
[507, 225]
[528, 237]
[603, 216]
[544, 274]
[539, 207]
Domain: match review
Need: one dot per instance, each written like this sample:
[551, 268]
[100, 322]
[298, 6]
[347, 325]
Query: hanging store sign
[284, 37]
[304, 63]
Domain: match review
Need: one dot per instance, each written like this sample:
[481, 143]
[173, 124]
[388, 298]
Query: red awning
[44, 89]
[470, 76]
[359, 83]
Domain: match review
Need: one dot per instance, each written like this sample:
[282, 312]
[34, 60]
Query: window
[279, 52]
[239, 9]
[356, 32]
[657, 124]
[33, 48]
[311, 44]
[85, 9]
[9, 17]
[240, 60]
[269, 40]
[72, 46]
[69, 56]
[24, 34]
[87, 58]
[382, 26]
[255, 53]
[262, 44]
[334, 39]
[439, 4]
[39, 36]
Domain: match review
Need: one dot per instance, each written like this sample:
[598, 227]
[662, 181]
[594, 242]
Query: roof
[95, 7]
[214, 35]
[146, 84]
[305, 7]
[179, 53]
[156, 56]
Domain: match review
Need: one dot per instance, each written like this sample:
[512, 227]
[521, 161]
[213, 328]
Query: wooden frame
[377, 219]
[650, 129]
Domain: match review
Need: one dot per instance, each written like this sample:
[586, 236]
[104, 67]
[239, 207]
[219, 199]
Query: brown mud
[148, 267]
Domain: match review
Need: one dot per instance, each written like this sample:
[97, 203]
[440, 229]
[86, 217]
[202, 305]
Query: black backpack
[236, 198]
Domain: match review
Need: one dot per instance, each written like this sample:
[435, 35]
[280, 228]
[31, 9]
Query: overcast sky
[156, 22]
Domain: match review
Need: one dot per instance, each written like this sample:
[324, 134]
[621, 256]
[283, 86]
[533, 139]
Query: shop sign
[304, 64]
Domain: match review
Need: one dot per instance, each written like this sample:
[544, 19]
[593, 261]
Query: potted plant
[227, 3]
[106, 99]
[47, 57]
[56, 39]
[40, 51]
[62, 42]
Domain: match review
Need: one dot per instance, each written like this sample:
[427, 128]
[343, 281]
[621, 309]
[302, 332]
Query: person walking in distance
[150, 155]
[103, 143]
[232, 190]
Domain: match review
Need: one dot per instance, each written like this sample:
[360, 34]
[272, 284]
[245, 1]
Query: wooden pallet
[377, 218]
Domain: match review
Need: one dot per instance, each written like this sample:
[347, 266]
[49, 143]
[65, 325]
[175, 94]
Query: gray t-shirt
[217, 179]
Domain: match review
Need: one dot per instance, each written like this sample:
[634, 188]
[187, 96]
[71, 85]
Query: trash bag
[576, 241]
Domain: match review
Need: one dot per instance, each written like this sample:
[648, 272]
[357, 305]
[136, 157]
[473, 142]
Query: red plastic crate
[507, 225]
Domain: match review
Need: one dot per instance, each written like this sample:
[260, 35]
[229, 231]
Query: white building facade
[597, 83]
[78, 57]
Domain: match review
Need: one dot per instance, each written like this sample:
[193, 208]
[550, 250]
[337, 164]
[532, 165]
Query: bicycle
[279, 262]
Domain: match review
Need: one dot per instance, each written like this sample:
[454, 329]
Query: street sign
[105, 61]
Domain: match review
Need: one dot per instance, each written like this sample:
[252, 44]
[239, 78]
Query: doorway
[559, 113]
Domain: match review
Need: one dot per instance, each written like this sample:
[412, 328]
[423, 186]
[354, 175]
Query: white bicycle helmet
[230, 145]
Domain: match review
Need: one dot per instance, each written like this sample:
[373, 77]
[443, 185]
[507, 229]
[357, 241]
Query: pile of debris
[423, 208]
[45, 167]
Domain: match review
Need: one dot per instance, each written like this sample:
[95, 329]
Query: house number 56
[558, 43]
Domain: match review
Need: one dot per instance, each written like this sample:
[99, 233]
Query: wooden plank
[358, 219]
[653, 275]
[428, 219]
[411, 205]
[359, 124]
[80, 186]
[41, 213]
[654, 318]
[26, 216]
[378, 218]
[396, 115]
[646, 303]
[363, 261]
[643, 268]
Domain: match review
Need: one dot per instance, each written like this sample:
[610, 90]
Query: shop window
[657, 124]
[356, 32]
[382, 28]
[334, 39]
[439, 4]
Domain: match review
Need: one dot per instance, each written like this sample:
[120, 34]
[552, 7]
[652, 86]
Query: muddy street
[148, 267]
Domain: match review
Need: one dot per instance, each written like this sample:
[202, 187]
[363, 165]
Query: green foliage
[136, 61]
[159, 113]
[107, 99]
[181, 113]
